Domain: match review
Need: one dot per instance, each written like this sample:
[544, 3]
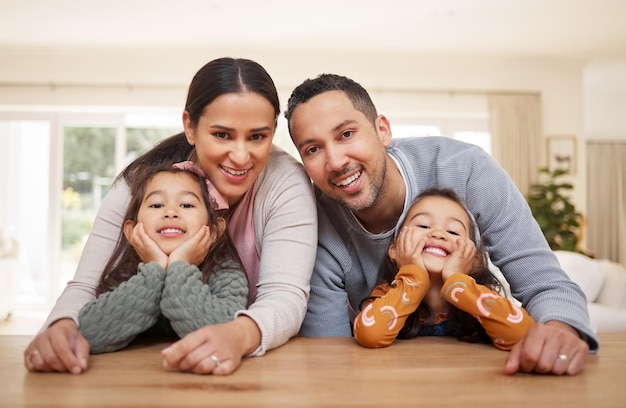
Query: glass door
[25, 206]
[55, 169]
[89, 167]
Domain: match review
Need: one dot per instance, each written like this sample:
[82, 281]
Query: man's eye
[311, 150]
[346, 134]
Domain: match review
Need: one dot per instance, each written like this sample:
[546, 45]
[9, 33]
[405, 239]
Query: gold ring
[563, 357]
[215, 360]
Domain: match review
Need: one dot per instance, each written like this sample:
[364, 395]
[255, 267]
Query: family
[221, 240]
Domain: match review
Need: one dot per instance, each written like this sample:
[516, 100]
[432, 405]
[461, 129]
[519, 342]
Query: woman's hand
[195, 249]
[146, 248]
[216, 349]
[60, 348]
[461, 259]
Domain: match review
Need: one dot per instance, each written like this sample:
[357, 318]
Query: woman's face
[233, 140]
[172, 210]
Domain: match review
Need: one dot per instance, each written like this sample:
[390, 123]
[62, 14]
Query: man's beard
[373, 196]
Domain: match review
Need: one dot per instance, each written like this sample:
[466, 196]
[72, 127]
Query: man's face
[342, 151]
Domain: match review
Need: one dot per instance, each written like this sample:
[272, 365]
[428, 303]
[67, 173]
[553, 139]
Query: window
[459, 115]
[482, 139]
[25, 206]
[58, 167]
[89, 168]
[466, 131]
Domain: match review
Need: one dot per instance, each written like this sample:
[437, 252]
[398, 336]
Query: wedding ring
[563, 357]
[215, 360]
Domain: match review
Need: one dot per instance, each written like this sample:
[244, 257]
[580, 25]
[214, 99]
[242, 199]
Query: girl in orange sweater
[438, 283]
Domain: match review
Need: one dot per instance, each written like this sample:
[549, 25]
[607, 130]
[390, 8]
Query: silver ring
[217, 360]
[563, 357]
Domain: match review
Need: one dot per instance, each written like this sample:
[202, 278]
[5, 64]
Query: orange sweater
[380, 321]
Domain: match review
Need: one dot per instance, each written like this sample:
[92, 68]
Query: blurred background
[86, 86]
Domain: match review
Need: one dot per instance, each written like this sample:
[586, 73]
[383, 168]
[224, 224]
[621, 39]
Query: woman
[229, 120]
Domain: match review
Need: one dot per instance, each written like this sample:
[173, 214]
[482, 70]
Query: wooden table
[425, 372]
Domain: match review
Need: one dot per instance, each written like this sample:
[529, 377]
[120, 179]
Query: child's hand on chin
[146, 248]
[408, 248]
[461, 259]
[195, 249]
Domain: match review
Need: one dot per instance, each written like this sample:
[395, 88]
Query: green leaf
[553, 210]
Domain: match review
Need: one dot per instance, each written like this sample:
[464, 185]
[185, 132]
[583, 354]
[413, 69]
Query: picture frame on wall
[562, 153]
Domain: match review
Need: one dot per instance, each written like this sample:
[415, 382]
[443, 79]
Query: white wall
[160, 78]
[605, 100]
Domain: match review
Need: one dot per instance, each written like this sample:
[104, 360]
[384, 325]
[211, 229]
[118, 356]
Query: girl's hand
[408, 248]
[146, 248]
[195, 249]
[461, 259]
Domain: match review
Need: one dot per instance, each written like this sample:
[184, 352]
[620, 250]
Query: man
[365, 183]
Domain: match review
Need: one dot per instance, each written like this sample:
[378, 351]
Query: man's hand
[60, 348]
[550, 348]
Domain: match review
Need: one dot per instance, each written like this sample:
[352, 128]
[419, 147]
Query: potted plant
[556, 215]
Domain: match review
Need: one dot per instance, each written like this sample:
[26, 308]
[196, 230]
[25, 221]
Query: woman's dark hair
[469, 328]
[218, 77]
[124, 261]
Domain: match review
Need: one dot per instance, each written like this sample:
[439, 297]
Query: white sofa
[604, 284]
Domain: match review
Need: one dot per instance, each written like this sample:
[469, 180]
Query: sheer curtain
[515, 124]
[606, 200]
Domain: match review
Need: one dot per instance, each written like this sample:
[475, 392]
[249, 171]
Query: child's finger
[404, 239]
[469, 249]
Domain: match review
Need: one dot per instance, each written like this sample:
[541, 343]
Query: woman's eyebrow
[230, 129]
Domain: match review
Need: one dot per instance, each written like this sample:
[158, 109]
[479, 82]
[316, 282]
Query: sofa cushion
[583, 270]
[606, 319]
[613, 293]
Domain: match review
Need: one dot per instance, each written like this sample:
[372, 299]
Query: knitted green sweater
[116, 318]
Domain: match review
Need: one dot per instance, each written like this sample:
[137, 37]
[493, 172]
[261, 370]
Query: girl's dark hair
[469, 328]
[124, 261]
[218, 77]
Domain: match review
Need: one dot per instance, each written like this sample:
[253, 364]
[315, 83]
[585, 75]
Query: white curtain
[515, 125]
[606, 200]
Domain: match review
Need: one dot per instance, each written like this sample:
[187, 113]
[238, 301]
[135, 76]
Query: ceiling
[581, 29]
